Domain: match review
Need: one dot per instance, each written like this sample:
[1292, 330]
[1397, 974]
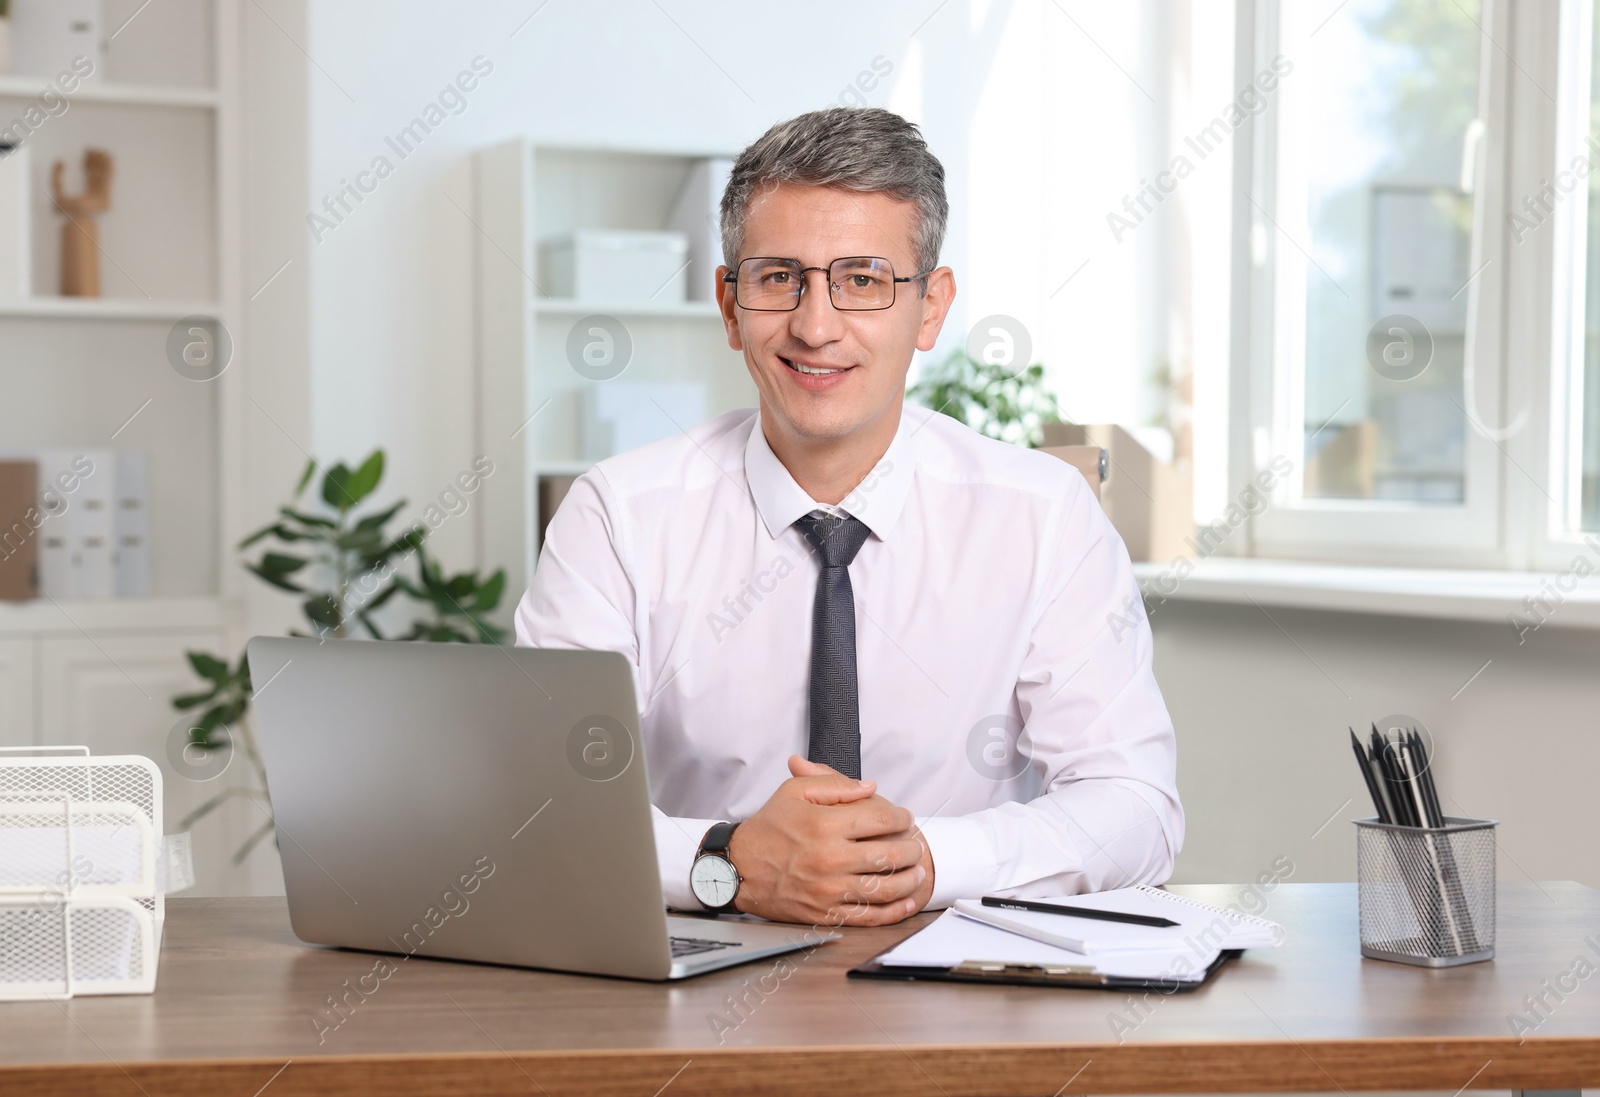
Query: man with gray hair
[870, 645]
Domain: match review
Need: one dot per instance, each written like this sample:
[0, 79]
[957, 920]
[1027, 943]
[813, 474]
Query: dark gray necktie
[835, 711]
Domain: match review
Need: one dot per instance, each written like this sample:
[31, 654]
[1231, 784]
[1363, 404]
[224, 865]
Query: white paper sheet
[952, 939]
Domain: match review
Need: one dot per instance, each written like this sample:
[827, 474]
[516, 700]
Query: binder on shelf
[19, 531]
[76, 489]
[131, 525]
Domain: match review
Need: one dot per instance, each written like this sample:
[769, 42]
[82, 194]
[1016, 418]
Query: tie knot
[836, 539]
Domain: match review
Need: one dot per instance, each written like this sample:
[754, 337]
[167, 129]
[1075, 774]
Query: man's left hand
[802, 767]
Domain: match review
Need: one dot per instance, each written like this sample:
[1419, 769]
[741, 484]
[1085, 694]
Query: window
[1373, 209]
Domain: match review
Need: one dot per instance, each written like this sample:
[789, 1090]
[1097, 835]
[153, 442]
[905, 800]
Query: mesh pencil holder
[1427, 894]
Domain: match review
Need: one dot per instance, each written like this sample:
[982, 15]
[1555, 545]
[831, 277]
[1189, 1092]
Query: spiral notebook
[973, 943]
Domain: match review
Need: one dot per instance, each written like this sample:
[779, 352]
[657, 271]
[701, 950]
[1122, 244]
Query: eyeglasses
[857, 283]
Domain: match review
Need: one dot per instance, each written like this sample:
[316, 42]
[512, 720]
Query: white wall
[1264, 759]
[1026, 107]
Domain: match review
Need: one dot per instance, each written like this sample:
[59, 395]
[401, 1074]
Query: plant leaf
[193, 700]
[322, 610]
[491, 590]
[364, 480]
[376, 521]
[281, 563]
[307, 519]
[253, 841]
[275, 579]
[361, 615]
[257, 535]
[381, 597]
[208, 666]
[336, 490]
[305, 477]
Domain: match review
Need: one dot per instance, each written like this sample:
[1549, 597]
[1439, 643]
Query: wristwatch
[712, 877]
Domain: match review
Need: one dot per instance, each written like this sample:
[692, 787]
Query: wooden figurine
[80, 239]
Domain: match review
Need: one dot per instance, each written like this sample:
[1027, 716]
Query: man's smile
[815, 375]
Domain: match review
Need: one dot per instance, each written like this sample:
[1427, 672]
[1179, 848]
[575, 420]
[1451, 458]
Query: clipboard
[1033, 975]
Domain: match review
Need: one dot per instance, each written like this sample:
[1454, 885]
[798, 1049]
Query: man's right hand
[827, 850]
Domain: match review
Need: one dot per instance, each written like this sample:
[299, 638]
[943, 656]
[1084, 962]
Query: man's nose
[815, 321]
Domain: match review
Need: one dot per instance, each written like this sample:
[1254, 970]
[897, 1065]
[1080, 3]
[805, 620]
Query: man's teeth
[800, 368]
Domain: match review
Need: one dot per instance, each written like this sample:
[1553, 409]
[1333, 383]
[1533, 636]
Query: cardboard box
[1150, 502]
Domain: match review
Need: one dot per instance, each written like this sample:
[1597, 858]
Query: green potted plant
[345, 563]
[997, 401]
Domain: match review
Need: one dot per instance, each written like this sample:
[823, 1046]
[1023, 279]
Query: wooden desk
[233, 1007]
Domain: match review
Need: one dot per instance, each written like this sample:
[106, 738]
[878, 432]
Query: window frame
[1556, 273]
[1266, 371]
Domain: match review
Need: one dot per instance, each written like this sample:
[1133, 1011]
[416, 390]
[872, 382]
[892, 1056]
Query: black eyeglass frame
[733, 277]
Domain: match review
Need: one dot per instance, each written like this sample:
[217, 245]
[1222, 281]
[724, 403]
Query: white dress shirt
[984, 594]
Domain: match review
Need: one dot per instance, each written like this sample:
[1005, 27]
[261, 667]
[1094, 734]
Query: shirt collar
[877, 501]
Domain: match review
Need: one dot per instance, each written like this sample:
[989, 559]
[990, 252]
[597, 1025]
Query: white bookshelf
[76, 371]
[527, 193]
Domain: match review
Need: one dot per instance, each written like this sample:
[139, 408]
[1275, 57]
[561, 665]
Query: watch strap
[717, 840]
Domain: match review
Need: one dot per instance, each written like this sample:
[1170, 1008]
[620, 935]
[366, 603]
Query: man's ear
[730, 317]
[936, 306]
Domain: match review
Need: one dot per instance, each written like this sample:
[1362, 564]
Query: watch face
[714, 881]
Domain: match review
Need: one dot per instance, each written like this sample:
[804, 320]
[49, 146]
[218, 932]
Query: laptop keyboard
[688, 946]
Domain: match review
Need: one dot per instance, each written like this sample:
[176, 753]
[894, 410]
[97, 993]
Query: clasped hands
[828, 850]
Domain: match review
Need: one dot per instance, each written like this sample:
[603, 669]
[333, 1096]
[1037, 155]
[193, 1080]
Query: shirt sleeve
[583, 596]
[1095, 728]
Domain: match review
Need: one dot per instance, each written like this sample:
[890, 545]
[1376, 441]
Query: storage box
[616, 267]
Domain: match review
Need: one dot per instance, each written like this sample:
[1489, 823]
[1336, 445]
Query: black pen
[1430, 791]
[1078, 912]
[1394, 780]
[1371, 781]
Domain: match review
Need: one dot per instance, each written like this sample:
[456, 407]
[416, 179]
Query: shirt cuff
[963, 860]
[677, 842]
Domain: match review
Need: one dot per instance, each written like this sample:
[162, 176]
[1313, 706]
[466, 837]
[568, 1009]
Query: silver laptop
[476, 803]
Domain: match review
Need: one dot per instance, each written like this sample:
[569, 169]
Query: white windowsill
[1441, 593]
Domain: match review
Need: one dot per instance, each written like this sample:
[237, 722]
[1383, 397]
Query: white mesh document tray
[81, 905]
